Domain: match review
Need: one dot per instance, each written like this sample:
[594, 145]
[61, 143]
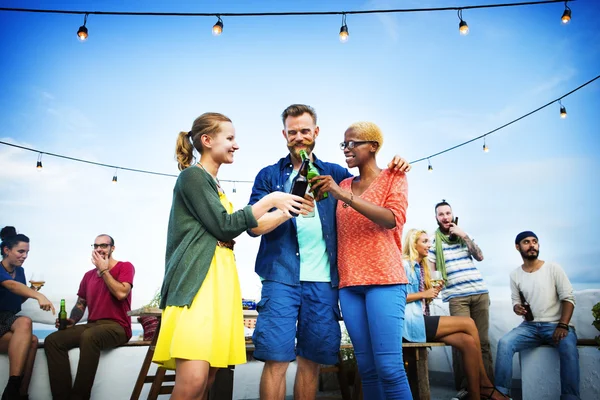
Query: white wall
[119, 368]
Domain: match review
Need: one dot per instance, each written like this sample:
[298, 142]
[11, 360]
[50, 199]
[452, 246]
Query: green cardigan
[197, 221]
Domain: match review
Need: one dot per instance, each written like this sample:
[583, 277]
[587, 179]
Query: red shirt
[369, 254]
[101, 303]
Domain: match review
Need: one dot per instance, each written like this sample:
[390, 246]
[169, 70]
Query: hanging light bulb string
[507, 124]
[246, 181]
[283, 13]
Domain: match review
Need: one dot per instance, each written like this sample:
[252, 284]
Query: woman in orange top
[371, 212]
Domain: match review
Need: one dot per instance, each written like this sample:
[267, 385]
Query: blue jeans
[374, 317]
[533, 334]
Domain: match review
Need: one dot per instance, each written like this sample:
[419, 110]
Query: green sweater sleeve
[199, 192]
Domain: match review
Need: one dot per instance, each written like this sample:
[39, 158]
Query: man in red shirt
[106, 292]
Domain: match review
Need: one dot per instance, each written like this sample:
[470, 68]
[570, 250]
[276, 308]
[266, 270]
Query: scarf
[440, 262]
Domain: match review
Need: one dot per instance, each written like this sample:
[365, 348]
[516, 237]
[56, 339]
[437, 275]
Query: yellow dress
[212, 328]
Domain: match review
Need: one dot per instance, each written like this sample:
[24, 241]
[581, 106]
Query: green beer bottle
[312, 170]
[62, 316]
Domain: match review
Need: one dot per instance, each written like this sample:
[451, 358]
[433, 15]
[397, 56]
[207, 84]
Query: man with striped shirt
[452, 252]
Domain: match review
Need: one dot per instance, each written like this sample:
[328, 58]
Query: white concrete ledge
[118, 371]
[540, 373]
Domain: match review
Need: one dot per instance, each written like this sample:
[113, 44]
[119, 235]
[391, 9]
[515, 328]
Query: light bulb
[430, 168]
[344, 35]
[563, 112]
[463, 28]
[114, 179]
[566, 17]
[82, 33]
[217, 28]
[39, 166]
[485, 148]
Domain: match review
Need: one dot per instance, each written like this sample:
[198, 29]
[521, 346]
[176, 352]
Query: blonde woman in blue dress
[202, 323]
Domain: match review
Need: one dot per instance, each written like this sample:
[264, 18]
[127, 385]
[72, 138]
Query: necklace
[214, 177]
[6, 269]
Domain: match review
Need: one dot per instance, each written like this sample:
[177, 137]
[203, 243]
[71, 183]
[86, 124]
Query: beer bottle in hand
[525, 304]
[300, 184]
[62, 316]
[312, 172]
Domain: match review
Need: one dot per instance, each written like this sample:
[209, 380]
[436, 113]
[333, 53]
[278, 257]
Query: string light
[82, 33]
[217, 28]
[463, 28]
[485, 148]
[566, 17]
[563, 110]
[344, 34]
[114, 180]
[429, 168]
[506, 124]
[39, 162]
[246, 181]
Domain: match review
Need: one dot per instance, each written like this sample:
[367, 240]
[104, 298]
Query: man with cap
[547, 290]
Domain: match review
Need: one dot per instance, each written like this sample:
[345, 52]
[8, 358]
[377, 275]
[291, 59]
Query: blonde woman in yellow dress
[202, 323]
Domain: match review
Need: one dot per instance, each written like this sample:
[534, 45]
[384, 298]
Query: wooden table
[222, 387]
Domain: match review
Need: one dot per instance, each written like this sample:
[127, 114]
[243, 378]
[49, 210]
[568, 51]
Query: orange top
[369, 254]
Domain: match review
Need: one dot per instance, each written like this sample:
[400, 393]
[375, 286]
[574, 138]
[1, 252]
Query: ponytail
[207, 124]
[184, 151]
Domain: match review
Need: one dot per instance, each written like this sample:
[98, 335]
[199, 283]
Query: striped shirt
[464, 279]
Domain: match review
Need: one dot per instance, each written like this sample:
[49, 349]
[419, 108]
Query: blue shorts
[308, 313]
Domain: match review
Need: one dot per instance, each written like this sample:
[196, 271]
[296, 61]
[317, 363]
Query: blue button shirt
[414, 323]
[278, 257]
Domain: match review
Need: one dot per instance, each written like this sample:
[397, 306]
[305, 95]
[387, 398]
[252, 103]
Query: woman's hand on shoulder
[399, 164]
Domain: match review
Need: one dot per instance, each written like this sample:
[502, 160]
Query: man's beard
[444, 231]
[296, 153]
[530, 257]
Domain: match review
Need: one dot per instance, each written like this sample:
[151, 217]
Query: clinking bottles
[62, 316]
[300, 184]
[525, 304]
[312, 171]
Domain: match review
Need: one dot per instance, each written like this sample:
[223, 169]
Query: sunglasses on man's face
[103, 246]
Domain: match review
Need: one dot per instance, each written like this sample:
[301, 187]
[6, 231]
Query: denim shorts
[298, 320]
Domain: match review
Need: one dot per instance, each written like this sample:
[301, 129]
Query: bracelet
[563, 326]
[103, 272]
[351, 199]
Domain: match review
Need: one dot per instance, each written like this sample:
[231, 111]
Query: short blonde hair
[368, 131]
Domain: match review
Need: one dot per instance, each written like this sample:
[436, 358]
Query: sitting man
[543, 295]
[106, 292]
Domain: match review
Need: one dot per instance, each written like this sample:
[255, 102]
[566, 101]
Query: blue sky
[121, 98]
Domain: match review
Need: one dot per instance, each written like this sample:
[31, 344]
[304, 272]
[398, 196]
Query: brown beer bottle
[525, 304]
[300, 184]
